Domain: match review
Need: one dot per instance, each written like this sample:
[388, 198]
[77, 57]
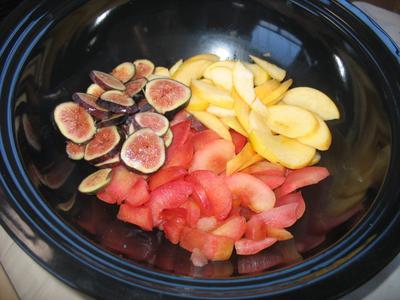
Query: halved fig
[124, 72]
[88, 102]
[135, 86]
[110, 163]
[74, 122]
[143, 151]
[130, 125]
[117, 102]
[167, 95]
[75, 151]
[95, 90]
[106, 81]
[95, 181]
[144, 67]
[105, 144]
[113, 120]
[168, 137]
[156, 122]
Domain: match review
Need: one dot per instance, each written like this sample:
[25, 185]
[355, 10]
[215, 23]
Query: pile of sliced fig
[122, 118]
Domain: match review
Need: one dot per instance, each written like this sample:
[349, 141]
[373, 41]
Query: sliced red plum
[124, 72]
[88, 102]
[106, 81]
[95, 90]
[109, 163]
[105, 144]
[156, 122]
[117, 119]
[117, 102]
[135, 86]
[74, 122]
[144, 67]
[167, 95]
[143, 151]
[168, 137]
[75, 151]
[95, 181]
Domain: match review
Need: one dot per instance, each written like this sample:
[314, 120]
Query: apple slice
[162, 71]
[242, 110]
[232, 122]
[291, 121]
[260, 108]
[250, 247]
[273, 70]
[212, 94]
[222, 77]
[175, 67]
[236, 162]
[277, 94]
[190, 70]
[254, 159]
[265, 168]
[260, 76]
[213, 123]
[320, 138]
[197, 103]
[312, 100]
[243, 81]
[203, 56]
[225, 64]
[220, 112]
[233, 228]
[316, 159]
[266, 88]
[279, 233]
[252, 192]
[213, 156]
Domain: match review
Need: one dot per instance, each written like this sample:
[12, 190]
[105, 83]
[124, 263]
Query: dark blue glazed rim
[83, 265]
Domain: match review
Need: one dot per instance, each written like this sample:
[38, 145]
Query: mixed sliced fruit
[213, 153]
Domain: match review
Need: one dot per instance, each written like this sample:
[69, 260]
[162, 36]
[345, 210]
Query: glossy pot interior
[315, 51]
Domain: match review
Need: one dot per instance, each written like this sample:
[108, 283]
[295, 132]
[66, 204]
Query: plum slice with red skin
[74, 122]
[105, 144]
[144, 68]
[88, 102]
[117, 102]
[167, 95]
[124, 71]
[106, 81]
[156, 122]
[75, 151]
[143, 151]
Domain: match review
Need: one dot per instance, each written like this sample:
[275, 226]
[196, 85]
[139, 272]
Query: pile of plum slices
[209, 169]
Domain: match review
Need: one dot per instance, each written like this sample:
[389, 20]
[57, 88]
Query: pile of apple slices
[285, 126]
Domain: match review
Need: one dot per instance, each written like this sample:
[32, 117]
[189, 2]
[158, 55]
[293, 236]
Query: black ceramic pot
[350, 229]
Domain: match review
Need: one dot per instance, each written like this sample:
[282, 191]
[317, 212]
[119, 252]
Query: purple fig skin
[135, 86]
[105, 144]
[111, 162]
[117, 102]
[113, 120]
[88, 102]
[106, 81]
[124, 72]
[144, 105]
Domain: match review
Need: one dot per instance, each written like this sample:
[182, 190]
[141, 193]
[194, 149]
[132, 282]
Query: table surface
[22, 278]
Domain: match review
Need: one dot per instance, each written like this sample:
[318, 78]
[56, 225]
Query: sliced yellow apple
[190, 70]
[220, 112]
[233, 122]
[212, 94]
[240, 159]
[197, 103]
[260, 108]
[320, 138]
[266, 88]
[175, 67]
[225, 63]
[222, 77]
[163, 71]
[291, 121]
[312, 100]
[242, 110]
[315, 159]
[212, 122]
[254, 159]
[203, 56]
[280, 149]
[277, 94]
[243, 81]
[273, 70]
[260, 75]
[209, 81]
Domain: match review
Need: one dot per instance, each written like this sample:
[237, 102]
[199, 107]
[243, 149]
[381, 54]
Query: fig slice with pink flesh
[105, 144]
[168, 137]
[74, 122]
[95, 181]
[144, 68]
[110, 163]
[106, 81]
[156, 122]
[117, 102]
[124, 71]
[75, 151]
[135, 86]
[95, 90]
[88, 102]
[143, 151]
